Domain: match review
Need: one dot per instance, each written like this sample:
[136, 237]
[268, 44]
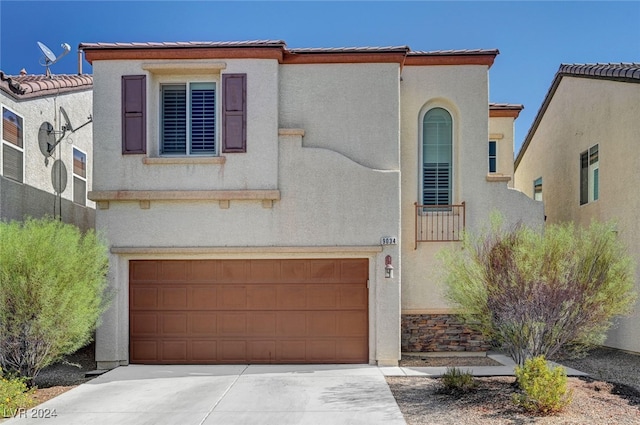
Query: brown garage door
[249, 311]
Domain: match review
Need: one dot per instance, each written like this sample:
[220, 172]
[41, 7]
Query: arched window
[437, 158]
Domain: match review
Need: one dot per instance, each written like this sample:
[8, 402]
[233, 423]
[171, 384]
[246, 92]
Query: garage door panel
[351, 323]
[203, 271]
[258, 311]
[232, 297]
[203, 323]
[292, 323]
[262, 351]
[144, 351]
[292, 351]
[203, 297]
[232, 351]
[322, 297]
[293, 271]
[173, 350]
[172, 271]
[174, 324]
[353, 270]
[204, 351]
[233, 271]
[143, 271]
[232, 324]
[264, 271]
[353, 296]
[172, 298]
[144, 323]
[144, 298]
[323, 270]
[322, 323]
[261, 324]
[262, 297]
[292, 297]
[318, 351]
[352, 349]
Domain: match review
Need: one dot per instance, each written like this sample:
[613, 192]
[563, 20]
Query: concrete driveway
[238, 394]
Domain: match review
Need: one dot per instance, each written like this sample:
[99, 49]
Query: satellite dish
[47, 52]
[46, 138]
[67, 123]
[49, 57]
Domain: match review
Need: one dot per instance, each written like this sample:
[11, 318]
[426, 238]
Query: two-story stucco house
[45, 156]
[274, 205]
[590, 121]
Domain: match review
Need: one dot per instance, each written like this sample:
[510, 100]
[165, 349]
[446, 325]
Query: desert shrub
[535, 293]
[52, 292]
[544, 388]
[14, 395]
[455, 381]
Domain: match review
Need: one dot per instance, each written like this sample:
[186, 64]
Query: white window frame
[3, 142]
[535, 184]
[452, 195]
[593, 174]
[73, 173]
[494, 156]
[188, 82]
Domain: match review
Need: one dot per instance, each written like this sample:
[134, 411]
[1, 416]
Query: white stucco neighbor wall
[463, 91]
[36, 111]
[337, 199]
[502, 132]
[584, 112]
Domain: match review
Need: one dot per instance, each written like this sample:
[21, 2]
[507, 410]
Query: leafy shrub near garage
[456, 381]
[544, 388]
[52, 292]
[14, 395]
[541, 292]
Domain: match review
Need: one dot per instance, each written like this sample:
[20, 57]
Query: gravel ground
[70, 371]
[595, 401]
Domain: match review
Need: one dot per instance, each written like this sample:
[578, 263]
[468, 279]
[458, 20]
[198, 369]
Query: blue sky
[534, 38]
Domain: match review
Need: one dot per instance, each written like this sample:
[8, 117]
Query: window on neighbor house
[12, 145]
[436, 157]
[537, 189]
[79, 177]
[589, 175]
[493, 156]
[188, 116]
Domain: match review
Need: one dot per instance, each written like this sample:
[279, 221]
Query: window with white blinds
[12, 145]
[436, 157]
[188, 119]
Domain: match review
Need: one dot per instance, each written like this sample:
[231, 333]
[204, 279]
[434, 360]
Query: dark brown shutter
[234, 113]
[134, 100]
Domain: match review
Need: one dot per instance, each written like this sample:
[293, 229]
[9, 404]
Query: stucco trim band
[184, 195]
[498, 178]
[184, 160]
[291, 132]
[199, 250]
[184, 67]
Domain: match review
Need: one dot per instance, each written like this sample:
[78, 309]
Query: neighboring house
[275, 205]
[45, 167]
[590, 118]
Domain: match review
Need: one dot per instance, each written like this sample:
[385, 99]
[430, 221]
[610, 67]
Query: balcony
[439, 223]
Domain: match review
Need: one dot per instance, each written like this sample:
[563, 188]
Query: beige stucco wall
[582, 113]
[463, 91]
[36, 111]
[337, 198]
[501, 130]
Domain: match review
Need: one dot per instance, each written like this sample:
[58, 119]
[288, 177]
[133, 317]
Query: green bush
[455, 381]
[14, 395]
[52, 292]
[544, 389]
[541, 292]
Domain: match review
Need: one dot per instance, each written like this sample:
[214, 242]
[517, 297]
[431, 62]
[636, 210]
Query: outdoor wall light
[388, 267]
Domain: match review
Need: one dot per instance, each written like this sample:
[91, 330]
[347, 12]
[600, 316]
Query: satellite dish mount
[49, 58]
